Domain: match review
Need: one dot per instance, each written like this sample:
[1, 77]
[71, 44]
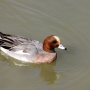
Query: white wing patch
[21, 52]
[4, 50]
[20, 55]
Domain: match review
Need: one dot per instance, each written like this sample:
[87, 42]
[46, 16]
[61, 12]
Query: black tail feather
[5, 42]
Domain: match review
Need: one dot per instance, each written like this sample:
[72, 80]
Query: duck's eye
[54, 41]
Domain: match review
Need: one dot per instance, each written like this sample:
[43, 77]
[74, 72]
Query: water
[68, 19]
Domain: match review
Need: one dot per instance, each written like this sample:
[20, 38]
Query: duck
[30, 50]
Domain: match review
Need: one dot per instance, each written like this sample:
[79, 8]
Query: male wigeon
[28, 50]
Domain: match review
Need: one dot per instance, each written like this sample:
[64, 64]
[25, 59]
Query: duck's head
[52, 42]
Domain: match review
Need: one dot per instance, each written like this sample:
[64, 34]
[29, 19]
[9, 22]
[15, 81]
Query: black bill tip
[65, 48]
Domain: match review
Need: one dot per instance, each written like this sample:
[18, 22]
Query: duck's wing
[17, 43]
[11, 41]
[25, 48]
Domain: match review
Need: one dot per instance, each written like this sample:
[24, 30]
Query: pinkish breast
[45, 58]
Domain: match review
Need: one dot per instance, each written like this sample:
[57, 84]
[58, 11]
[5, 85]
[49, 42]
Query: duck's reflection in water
[47, 72]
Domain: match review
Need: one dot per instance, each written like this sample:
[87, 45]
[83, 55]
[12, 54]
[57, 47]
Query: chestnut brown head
[52, 42]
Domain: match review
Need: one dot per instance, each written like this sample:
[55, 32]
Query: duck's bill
[62, 47]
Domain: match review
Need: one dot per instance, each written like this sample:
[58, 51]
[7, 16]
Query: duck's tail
[1, 41]
[5, 41]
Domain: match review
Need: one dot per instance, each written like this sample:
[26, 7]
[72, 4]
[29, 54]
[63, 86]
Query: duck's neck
[47, 48]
